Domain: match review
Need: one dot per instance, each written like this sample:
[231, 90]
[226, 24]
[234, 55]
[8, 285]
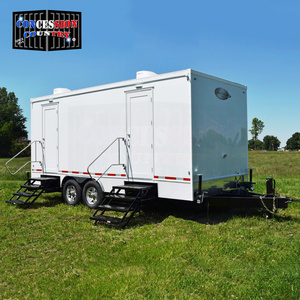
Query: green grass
[13, 166]
[52, 251]
[283, 166]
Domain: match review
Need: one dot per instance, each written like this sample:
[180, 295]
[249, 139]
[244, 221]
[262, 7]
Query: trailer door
[50, 137]
[140, 133]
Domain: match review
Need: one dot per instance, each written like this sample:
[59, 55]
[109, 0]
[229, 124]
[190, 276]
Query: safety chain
[266, 208]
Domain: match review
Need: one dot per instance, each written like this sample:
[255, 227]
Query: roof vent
[144, 74]
[60, 91]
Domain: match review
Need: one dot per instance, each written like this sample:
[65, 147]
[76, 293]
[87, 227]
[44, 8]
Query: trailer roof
[135, 82]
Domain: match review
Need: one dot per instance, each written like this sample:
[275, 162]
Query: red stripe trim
[86, 173]
[156, 177]
[186, 179]
[39, 170]
[171, 178]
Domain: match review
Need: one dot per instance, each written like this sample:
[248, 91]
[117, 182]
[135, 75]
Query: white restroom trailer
[163, 129]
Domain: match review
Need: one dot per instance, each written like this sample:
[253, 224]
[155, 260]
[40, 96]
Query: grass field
[52, 251]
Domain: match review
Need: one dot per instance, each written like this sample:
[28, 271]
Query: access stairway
[125, 200]
[32, 189]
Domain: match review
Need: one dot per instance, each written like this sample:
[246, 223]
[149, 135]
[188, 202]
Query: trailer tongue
[240, 194]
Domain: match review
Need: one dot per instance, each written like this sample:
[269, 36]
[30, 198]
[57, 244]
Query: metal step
[131, 187]
[106, 219]
[120, 197]
[23, 194]
[19, 202]
[42, 179]
[31, 186]
[115, 208]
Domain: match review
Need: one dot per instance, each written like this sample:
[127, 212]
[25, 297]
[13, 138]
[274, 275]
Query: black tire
[92, 194]
[72, 192]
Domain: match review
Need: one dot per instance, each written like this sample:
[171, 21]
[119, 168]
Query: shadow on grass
[157, 212]
[48, 200]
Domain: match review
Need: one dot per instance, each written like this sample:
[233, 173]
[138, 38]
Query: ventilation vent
[60, 91]
[222, 94]
[144, 74]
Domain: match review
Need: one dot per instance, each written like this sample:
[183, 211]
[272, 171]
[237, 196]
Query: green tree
[271, 143]
[293, 142]
[12, 122]
[256, 129]
[251, 145]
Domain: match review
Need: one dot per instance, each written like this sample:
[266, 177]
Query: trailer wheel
[92, 194]
[72, 192]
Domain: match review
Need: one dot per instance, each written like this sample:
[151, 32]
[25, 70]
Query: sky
[255, 43]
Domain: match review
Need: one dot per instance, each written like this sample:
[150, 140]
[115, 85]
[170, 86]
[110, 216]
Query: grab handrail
[114, 164]
[30, 161]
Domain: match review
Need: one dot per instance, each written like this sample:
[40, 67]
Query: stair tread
[31, 186]
[42, 178]
[106, 219]
[115, 207]
[23, 194]
[20, 202]
[120, 197]
[131, 187]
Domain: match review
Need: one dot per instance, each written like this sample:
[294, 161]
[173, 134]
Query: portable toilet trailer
[180, 135]
[164, 130]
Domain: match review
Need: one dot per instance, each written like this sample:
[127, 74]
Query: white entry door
[50, 137]
[140, 133]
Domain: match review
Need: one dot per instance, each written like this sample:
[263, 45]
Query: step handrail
[114, 164]
[30, 161]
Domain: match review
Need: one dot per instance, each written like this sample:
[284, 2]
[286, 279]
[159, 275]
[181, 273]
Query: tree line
[12, 124]
[270, 142]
